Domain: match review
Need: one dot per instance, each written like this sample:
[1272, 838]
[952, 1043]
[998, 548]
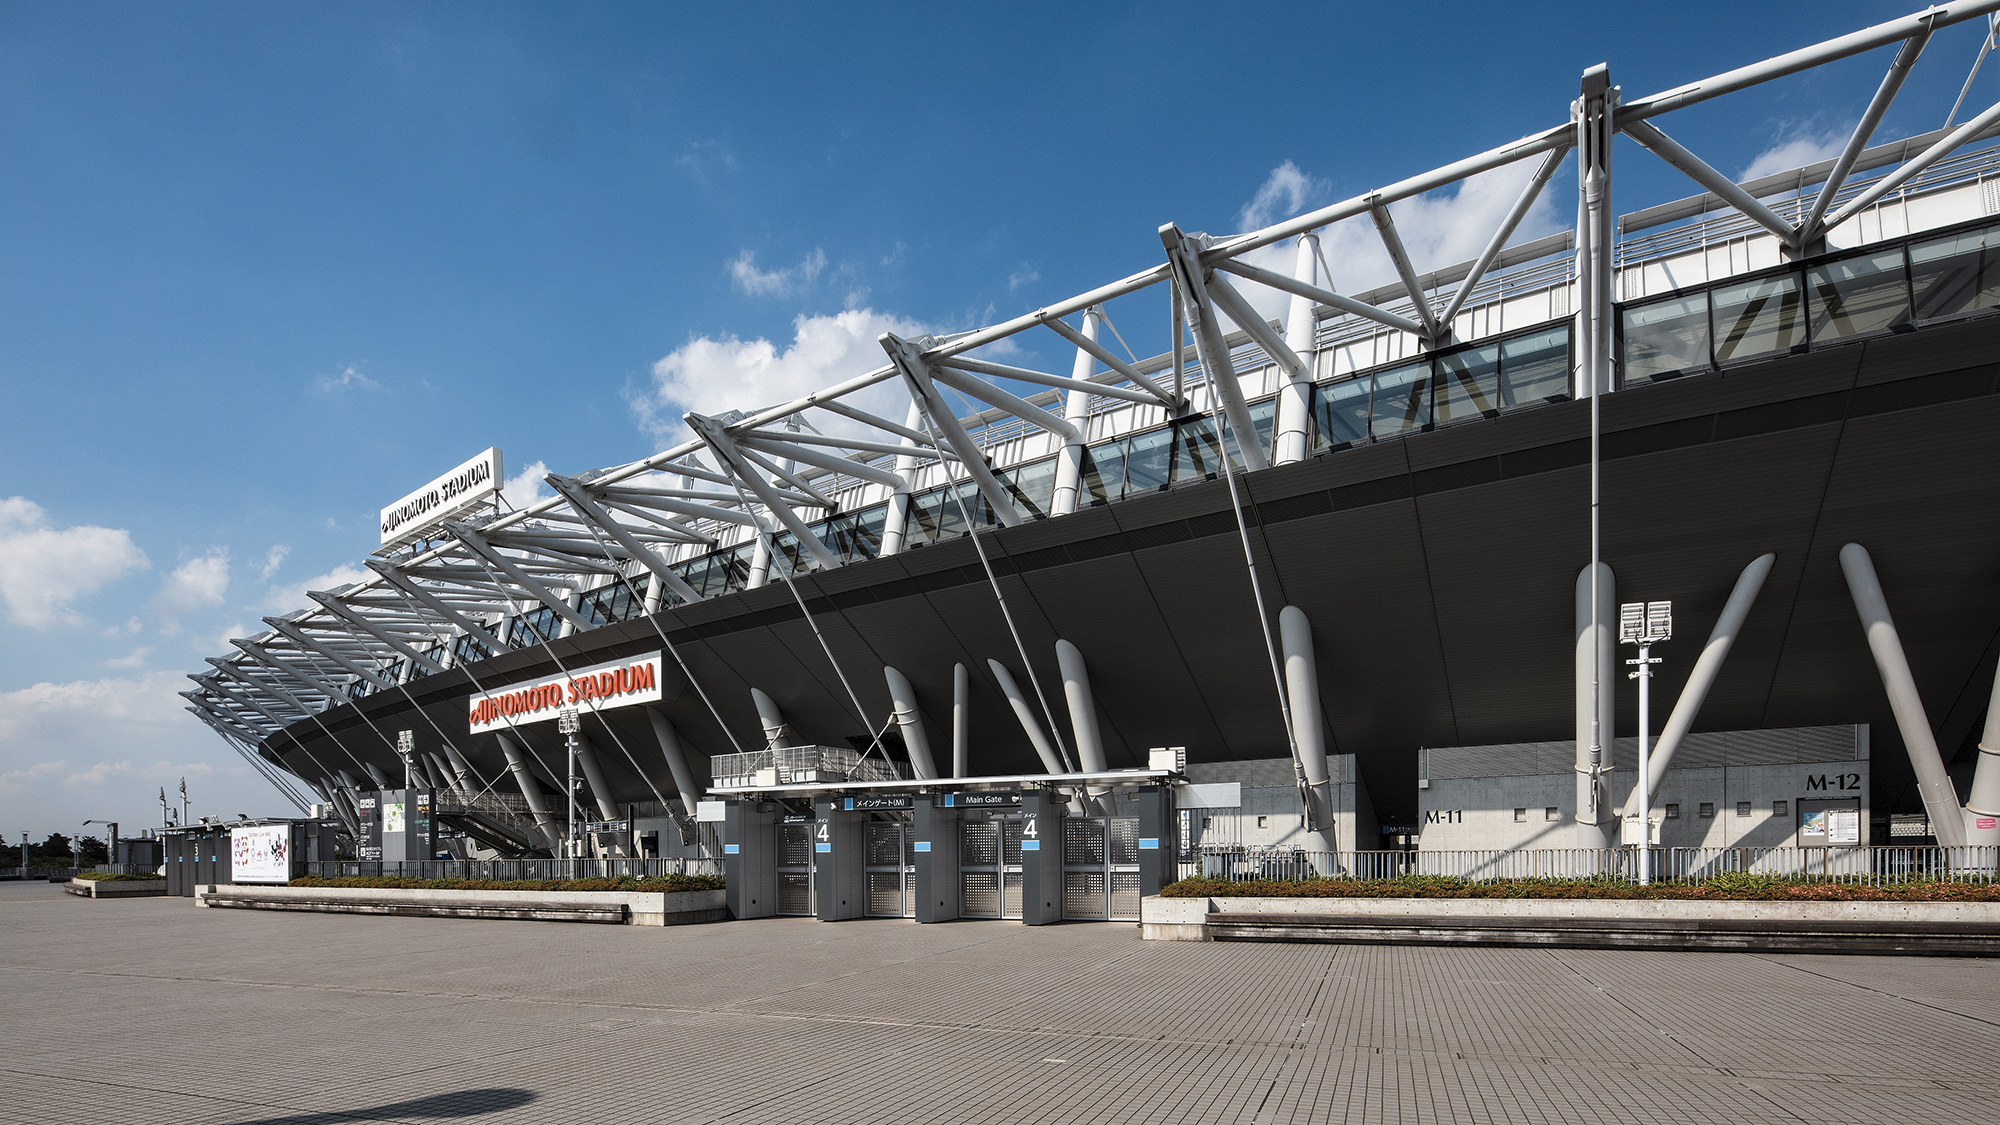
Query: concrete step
[545, 911]
[1924, 939]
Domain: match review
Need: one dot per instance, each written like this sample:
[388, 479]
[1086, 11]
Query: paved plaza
[155, 1011]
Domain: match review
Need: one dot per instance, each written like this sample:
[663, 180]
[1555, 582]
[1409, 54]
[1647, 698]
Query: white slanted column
[1026, 714]
[1308, 728]
[676, 756]
[1076, 411]
[586, 758]
[531, 791]
[1596, 699]
[961, 718]
[1706, 667]
[1934, 785]
[1295, 397]
[776, 733]
[896, 523]
[1982, 806]
[760, 556]
[911, 722]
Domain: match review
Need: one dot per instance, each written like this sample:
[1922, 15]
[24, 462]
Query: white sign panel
[261, 854]
[476, 480]
[711, 812]
[600, 687]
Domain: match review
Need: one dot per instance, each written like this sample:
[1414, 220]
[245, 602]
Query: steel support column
[1596, 708]
[1933, 783]
[1076, 412]
[911, 722]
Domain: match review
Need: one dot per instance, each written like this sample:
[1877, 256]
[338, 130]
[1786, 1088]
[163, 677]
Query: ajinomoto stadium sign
[600, 687]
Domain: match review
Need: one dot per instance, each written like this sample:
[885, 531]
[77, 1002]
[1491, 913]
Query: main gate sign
[600, 687]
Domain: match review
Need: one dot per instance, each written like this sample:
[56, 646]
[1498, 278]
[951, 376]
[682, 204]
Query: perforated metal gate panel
[989, 861]
[1101, 868]
[889, 859]
[795, 881]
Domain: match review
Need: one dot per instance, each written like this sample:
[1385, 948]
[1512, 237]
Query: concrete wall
[1270, 813]
[1524, 795]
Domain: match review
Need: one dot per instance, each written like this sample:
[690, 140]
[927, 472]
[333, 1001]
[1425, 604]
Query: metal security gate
[989, 868]
[1101, 868]
[795, 869]
[889, 853]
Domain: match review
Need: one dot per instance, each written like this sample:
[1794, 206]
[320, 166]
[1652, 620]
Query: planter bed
[632, 908]
[116, 888]
[1910, 928]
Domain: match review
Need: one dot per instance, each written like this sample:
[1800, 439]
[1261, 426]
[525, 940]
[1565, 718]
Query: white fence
[1868, 866]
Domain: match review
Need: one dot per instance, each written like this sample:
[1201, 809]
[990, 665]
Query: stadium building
[1315, 578]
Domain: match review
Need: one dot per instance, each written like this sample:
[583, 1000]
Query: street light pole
[1645, 624]
[567, 723]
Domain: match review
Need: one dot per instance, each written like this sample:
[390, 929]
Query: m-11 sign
[443, 498]
[600, 687]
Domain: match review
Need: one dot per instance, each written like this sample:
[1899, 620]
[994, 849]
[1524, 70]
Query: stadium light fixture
[1645, 624]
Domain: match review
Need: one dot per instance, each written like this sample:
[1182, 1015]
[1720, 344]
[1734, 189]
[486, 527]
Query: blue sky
[268, 267]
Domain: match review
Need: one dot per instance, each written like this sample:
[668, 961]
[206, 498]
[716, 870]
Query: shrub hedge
[654, 883]
[1732, 886]
[107, 877]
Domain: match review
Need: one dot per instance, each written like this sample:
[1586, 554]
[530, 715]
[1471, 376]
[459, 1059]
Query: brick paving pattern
[154, 1011]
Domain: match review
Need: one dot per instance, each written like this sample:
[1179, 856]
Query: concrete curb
[632, 908]
[116, 888]
[1186, 919]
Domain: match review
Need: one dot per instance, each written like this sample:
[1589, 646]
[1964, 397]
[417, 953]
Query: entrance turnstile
[1101, 868]
[795, 867]
[989, 867]
[889, 860]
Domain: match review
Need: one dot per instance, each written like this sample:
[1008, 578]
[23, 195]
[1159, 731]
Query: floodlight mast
[569, 725]
[1645, 624]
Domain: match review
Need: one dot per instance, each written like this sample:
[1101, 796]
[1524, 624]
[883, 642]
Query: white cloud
[526, 486]
[1024, 274]
[1284, 194]
[102, 749]
[744, 273]
[198, 583]
[284, 599]
[1805, 145]
[350, 376]
[1437, 229]
[132, 625]
[707, 375]
[97, 774]
[273, 559]
[135, 659]
[219, 642]
[43, 569]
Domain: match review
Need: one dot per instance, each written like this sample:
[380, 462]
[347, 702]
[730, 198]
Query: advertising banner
[261, 854]
[600, 687]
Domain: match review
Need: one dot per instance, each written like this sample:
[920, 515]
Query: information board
[260, 853]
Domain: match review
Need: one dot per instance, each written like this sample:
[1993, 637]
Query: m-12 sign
[600, 687]
[475, 481]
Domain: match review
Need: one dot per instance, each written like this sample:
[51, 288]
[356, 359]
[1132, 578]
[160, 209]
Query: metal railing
[1875, 866]
[515, 869]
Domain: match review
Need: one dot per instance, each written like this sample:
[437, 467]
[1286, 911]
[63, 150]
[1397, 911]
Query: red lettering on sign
[642, 677]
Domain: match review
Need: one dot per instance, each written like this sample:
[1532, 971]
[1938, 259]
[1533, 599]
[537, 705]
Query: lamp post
[569, 725]
[1645, 624]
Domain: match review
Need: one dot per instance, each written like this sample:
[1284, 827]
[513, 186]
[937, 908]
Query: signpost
[1645, 624]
